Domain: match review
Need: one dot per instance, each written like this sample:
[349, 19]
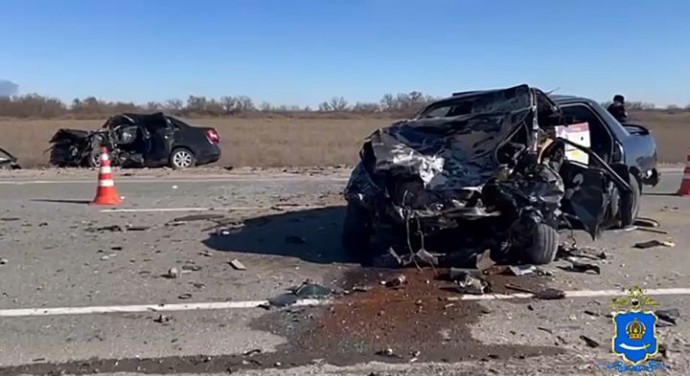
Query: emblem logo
[634, 336]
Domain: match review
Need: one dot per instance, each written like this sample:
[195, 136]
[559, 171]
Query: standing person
[617, 108]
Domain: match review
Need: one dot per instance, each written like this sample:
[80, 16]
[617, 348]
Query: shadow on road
[311, 235]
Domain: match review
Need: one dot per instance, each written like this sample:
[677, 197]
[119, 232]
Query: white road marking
[216, 209]
[29, 312]
[182, 180]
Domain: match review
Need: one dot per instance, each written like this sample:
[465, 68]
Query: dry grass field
[300, 142]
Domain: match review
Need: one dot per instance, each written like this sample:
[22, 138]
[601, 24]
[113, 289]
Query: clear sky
[305, 51]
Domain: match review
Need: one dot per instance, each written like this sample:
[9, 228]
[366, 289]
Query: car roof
[564, 98]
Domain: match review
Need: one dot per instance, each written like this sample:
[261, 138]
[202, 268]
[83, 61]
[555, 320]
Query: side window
[156, 124]
[580, 113]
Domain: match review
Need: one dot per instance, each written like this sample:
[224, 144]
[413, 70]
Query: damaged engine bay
[482, 170]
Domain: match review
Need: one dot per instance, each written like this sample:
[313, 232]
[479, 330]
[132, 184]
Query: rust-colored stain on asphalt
[423, 320]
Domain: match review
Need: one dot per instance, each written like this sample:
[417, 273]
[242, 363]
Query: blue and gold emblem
[635, 330]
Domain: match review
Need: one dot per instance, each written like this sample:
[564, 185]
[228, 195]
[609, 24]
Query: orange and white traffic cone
[685, 183]
[106, 193]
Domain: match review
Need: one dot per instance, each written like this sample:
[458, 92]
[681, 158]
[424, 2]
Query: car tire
[94, 158]
[544, 246]
[630, 204]
[182, 158]
[356, 230]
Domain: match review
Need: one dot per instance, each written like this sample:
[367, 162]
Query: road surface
[79, 296]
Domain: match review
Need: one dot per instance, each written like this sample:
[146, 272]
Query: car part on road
[581, 266]
[590, 342]
[237, 265]
[481, 170]
[137, 140]
[668, 315]
[655, 243]
[8, 161]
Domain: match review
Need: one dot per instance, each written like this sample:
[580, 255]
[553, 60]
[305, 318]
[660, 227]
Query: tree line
[401, 104]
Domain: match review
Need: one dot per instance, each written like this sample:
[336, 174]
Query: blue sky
[306, 51]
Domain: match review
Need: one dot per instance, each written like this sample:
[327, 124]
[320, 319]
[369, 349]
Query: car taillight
[212, 136]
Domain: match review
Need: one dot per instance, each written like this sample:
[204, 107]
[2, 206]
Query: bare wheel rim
[182, 158]
[96, 160]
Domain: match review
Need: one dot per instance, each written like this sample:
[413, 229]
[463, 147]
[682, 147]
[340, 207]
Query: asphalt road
[83, 299]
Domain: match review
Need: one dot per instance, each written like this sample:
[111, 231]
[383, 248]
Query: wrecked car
[8, 161]
[495, 169]
[137, 140]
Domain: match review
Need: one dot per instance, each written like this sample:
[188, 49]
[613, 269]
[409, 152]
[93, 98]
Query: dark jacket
[617, 109]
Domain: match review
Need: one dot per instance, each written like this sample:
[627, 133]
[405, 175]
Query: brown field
[302, 142]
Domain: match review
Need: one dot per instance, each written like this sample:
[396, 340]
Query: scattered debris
[252, 352]
[522, 270]
[668, 315]
[311, 290]
[175, 223]
[198, 217]
[591, 313]
[663, 350]
[655, 243]
[662, 232]
[237, 265]
[282, 300]
[387, 352]
[590, 342]
[295, 240]
[580, 252]
[172, 273]
[163, 319]
[550, 294]
[646, 222]
[473, 285]
[580, 266]
[511, 286]
[396, 282]
[361, 288]
[222, 231]
[484, 261]
[307, 290]
[113, 228]
[137, 228]
[191, 268]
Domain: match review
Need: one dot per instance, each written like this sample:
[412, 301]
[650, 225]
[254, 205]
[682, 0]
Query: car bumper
[211, 155]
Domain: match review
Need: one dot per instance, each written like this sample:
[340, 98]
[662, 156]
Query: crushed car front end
[465, 175]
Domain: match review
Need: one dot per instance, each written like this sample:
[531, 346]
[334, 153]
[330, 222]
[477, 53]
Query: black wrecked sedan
[138, 140]
[500, 170]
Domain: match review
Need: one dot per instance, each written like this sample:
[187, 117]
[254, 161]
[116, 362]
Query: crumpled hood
[446, 154]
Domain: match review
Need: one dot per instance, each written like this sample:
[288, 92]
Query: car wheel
[182, 158]
[544, 246]
[356, 230]
[630, 203]
[94, 158]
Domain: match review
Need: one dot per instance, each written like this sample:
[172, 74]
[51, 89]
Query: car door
[162, 136]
